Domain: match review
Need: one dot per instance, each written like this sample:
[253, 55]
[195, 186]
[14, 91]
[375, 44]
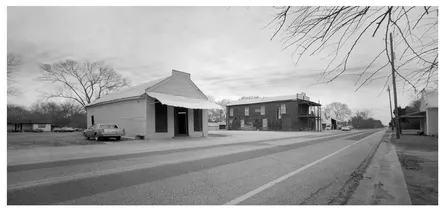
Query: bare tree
[83, 82]
[342, 28]
[13, 62]
[339, 110]
[217, 115]
[364, 114]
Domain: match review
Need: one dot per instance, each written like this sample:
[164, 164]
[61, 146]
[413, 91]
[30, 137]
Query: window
[198, 120]
[283, 108]
[161, 117]
[108, 126]
[264, 123]
[231, 112]
[263, 110]
[246, 111]
[41, 125]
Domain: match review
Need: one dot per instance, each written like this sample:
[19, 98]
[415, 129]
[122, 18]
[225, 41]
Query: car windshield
[108, 126]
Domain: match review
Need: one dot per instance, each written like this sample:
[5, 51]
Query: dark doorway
[93, 120]
[180, 121]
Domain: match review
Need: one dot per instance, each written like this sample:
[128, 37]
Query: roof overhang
[416, 115]
[182, 101]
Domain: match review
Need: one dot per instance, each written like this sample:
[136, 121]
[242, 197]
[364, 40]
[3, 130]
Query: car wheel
[118, 138]
[96, 137]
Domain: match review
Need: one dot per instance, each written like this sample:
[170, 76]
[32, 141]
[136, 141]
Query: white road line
[272, 183]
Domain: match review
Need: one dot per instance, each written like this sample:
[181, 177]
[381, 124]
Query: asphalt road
[302, 170]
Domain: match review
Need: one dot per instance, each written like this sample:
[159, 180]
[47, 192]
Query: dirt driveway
[28, 140]
[418, 156]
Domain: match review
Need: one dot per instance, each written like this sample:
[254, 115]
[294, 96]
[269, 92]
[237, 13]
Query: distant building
[330, 122]
[286, 113]
[164, 108]
[428, 114]
[29, 124]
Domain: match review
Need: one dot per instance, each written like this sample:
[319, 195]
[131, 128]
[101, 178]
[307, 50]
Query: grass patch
[46, 139]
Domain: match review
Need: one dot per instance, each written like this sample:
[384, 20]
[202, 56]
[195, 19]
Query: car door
[89, 131]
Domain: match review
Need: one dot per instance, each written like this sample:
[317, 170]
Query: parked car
[67, 129]
[346, 128]
[102, 131]
[56, 129]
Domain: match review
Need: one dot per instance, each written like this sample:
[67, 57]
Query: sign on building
[257, 110]
[263, 110]
[264, 123]
[283, 108]
[242, 123]
[246, 111]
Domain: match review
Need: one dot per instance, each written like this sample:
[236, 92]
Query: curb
[383, 183]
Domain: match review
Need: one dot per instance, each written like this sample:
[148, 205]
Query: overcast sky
[227, 51]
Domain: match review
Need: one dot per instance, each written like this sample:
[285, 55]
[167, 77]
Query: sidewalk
[49, 154]
[383, 183]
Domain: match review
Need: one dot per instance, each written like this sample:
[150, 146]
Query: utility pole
[397, 119]
[391, 108]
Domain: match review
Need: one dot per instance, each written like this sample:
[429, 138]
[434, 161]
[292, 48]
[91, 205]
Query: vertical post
[391, 108]
[397, 120]
[227, 118]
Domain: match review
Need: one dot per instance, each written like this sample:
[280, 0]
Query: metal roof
[130, 92]
[182, 101]
[269, 99]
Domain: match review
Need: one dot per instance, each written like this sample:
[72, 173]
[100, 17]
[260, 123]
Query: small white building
[429, 105]
[29, 124]
[163, 108]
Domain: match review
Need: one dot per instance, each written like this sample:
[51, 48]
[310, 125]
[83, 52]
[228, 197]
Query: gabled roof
[135, 91]
[268, 99]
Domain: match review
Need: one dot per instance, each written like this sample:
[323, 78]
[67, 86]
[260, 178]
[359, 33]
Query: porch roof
[413, 115]
[182, 101]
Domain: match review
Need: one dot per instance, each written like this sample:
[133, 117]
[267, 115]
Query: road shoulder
[383, 183]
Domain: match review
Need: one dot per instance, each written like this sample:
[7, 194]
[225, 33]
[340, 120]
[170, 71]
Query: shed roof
[130, 92]
[269, 99]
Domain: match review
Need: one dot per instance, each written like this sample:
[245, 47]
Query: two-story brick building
[286, 113]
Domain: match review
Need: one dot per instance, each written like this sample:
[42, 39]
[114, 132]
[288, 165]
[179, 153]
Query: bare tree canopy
[13, 62]
[364, 114]
[339, 110]
[83, 82]
[341, 29]
[68, 113]
[217, 115]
